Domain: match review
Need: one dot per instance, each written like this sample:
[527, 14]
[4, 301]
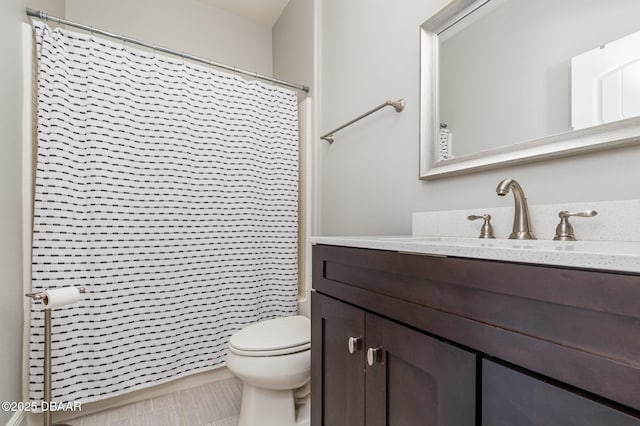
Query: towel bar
[398, 105]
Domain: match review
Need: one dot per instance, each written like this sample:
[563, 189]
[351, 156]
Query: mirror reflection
[519, 70]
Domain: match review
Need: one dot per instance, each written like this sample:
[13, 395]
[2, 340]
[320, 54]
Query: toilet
[273, 359]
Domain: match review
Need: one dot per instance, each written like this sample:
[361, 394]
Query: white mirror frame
[604, 136]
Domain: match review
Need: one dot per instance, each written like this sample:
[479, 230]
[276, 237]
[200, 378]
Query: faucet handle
[564, 230]
[584, 213]
[487, 230]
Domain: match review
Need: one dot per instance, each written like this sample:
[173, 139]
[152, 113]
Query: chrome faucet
[521, 227]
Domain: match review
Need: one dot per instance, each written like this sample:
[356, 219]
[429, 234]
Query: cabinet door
[416, 379]
[337, 375]
[512, 398]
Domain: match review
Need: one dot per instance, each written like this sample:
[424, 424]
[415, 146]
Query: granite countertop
[623, 256]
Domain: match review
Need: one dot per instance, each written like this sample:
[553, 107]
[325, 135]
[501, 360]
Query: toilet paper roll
[60, 297]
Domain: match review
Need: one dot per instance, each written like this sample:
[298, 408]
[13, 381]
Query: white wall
[12, 14]
[191, 26]
[369, 184]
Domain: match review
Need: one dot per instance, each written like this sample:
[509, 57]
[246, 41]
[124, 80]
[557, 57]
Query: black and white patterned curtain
[167, 189]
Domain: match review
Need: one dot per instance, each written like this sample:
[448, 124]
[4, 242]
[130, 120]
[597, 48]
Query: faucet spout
[521, 221]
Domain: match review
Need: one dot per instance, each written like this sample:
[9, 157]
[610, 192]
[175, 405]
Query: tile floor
[214, 404]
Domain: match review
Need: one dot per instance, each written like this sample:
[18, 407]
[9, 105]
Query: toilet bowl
[273, 360]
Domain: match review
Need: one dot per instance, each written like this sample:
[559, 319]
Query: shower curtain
[168, 190]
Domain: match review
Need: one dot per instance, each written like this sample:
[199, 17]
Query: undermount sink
[413, 238]
[547, 245]
[476, 242]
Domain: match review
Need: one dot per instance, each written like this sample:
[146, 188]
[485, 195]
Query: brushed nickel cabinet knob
[374, 355]
[355, 344]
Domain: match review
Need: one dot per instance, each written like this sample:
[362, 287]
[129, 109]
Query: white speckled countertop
[621, 256]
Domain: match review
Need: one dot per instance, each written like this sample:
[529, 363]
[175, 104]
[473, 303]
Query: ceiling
[261, 11]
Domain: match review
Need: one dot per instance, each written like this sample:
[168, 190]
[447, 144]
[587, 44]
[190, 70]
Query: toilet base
[266, 407]
[303, 413]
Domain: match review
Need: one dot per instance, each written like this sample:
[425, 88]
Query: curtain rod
[60, 21]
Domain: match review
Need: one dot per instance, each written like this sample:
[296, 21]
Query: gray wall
[293, 60]
[293, 43]
[369, 184]
[12, 14]
[191, 26]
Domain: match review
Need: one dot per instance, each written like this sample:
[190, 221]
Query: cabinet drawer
[513, 398]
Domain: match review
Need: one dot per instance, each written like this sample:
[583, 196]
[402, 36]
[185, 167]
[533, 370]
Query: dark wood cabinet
[465, 341]
[417, 379]
[395, 376]
[339, 383]
[512, 398]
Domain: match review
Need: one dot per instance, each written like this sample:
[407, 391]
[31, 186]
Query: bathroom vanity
[407, 333]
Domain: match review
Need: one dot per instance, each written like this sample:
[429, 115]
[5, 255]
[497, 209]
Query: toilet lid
[273, 337]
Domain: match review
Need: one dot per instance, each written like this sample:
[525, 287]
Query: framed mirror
[511, 81]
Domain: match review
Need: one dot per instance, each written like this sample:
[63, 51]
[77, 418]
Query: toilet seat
[283, 351]
[273, 360]
[279, 336]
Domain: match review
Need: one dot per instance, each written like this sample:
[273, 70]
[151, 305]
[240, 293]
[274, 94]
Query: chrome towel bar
[398, 105]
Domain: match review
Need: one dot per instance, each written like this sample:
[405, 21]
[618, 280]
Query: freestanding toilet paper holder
[47, 354]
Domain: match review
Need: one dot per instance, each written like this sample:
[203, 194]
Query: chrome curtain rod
[60, 21]
[398, 105]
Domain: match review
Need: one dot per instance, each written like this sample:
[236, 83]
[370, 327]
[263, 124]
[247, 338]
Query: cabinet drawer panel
[513, 398]
[581, 328]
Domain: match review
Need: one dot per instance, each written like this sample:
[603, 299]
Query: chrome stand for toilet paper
[47, 356]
